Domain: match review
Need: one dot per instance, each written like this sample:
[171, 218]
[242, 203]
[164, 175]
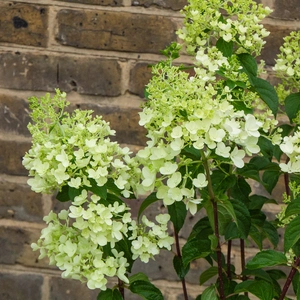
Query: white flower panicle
[148, 238]
[291, 147]
[75, 240]
[74, 150]
[234, 21]
[287, 66]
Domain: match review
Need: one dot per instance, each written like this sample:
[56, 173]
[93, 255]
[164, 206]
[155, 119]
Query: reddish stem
[184, 289]
[289, 279]
[229, 259]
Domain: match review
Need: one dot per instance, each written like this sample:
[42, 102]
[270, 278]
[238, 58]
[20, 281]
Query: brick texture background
[99, 52]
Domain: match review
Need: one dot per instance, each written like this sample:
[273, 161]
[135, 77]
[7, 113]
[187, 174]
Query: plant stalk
[287, 180]
[121, 288]
[242, 248]
[289, 279]
[216, 225]
[184, 289]
[229, 259]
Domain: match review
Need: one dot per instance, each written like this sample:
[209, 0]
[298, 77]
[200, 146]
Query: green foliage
[214, 138]
[146, 290]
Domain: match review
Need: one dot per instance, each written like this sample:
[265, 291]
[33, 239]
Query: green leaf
[248, 63]
[100, 191]
[124, 245]
[112, 198]
[267, 258]
[271, 233]
[74, 192]
[267, 93]
[243, 218]
[292, 234]
[293, 208]
[270, 179]
[258, 274]
[225, 214]
[146, 289]
[261, 289]
[276, 274]
[191, 152]
[256, 235]
[249, 171]
[240, 105]
[292, 105]
[194, 249]
[110, 294]
[261, 162]
[178, 214]
[208, 274]
[179, 268]
[221, 181]
[296, 286]
[225, 47]
[257, 202]
[63, 194]
[201, 229]
[138, 276]
[111, 186]
[241, 190]
[227, 204]
[266, 147]
[210, 293]
[148, 201]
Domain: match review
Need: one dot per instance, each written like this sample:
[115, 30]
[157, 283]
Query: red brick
[124, 121]
[273, 42]
[15, 247]
[70, 289]
[11, 155]
[287, 9]
[118, 31]
[37, 72]
[140, 75]
[25, 24]
[173, 4]
[18, 202]
[13, 115]
[20, 286]
[97, 2]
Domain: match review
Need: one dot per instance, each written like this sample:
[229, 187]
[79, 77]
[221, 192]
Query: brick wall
[98, 51]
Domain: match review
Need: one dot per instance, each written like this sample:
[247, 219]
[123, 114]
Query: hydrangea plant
[212, 127]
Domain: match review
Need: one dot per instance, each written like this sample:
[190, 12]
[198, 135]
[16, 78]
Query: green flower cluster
[73, 152]
[72, 149]
[234, 21]
[287, 66]
[182, 112]
[82, 241]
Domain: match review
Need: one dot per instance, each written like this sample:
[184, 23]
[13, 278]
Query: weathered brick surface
[124, 121]
[27, 71]
[173, 4]
[87, 48]
[97, 2]
[13, 115]
[16, 249]
[18, 202]
[118, 31]
[287, 9]
[140, 75]
[273, 42]
[25, 24]
[70, 289]
[20, 286]
[11, 154]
